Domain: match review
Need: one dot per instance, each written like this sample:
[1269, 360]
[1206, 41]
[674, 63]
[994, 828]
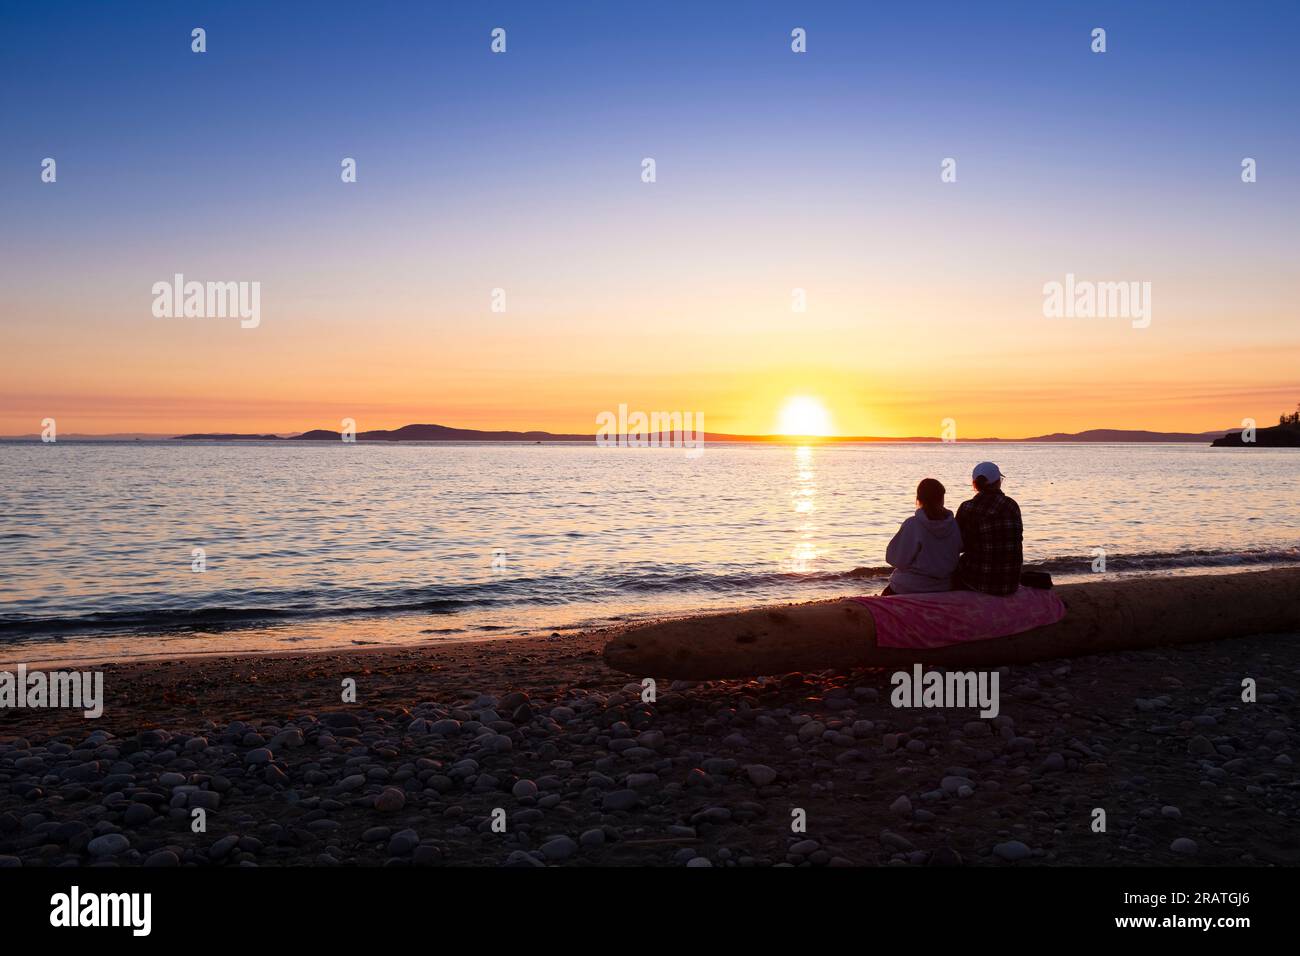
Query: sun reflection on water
[803, 500]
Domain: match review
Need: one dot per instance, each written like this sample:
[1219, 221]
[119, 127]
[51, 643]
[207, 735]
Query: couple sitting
[978, 550]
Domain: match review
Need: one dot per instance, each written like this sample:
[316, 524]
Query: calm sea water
[340, 544]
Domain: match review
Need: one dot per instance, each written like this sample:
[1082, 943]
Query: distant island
[446, 433]
[1285, 434]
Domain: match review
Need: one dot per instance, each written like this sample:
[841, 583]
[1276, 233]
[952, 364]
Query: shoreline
[411, 630]
[442, 736]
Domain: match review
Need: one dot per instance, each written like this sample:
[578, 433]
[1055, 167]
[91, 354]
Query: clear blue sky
[476, 171]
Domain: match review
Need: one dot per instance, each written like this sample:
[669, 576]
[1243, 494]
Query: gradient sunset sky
[523, 171]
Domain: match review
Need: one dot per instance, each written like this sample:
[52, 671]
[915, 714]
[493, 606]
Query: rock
[698, 861]
[896, 841]
[1173, 813]
[522, 859]
[221, 848]
[515, 698]
[403, 842]
[524, 788]
[1184, 847]
[559, 848]
[951, 785]
[136, 814]
[593, 837]
[944, 856]
[259, 756]
[207, 799]
[760, 774]
[902, 806]
[110, 844]
[425, 855]
[1012, 851]
[340, 720]
[1200, 746]
[163, 858]
[390, 800]
[620, 800]
[291, 738]
[811, 731]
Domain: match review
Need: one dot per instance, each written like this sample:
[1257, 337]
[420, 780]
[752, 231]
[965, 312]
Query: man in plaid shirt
[991, 536]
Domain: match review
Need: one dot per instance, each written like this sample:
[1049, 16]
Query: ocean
[324, 545]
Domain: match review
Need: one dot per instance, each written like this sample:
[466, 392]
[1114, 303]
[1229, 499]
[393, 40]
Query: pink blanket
[954, 617]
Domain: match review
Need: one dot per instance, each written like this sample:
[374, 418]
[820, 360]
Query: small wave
[638, 582]
[1170, 560]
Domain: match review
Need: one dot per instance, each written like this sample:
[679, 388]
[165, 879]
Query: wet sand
[449, 745]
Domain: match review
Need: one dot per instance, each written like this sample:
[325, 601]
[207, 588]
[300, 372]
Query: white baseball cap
[988, 471]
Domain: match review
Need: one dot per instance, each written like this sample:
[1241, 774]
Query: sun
[804, 416]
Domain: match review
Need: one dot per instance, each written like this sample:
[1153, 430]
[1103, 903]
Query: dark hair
[930, 493]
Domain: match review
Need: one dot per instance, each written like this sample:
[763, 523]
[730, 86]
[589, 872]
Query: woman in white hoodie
[924, 552]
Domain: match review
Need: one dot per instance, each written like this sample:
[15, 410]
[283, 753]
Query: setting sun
[802, 415]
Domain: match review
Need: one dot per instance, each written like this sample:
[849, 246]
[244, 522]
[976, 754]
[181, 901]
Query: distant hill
[1275, 436]
[1268, 437]
[447, 433]
[227, 436]
[1127, 435]
[440, 433]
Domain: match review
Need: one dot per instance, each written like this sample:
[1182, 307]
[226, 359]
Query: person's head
[986, 476]
[929, 495]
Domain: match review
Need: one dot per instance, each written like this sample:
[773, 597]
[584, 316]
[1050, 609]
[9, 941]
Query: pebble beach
[531, 752]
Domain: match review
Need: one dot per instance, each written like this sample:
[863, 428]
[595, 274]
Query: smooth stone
[811, 731]
[620, 800]
[403, 842]
[110, 844]
[1012, 851]
[207, 799]
[137, 813]
[559, 848]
